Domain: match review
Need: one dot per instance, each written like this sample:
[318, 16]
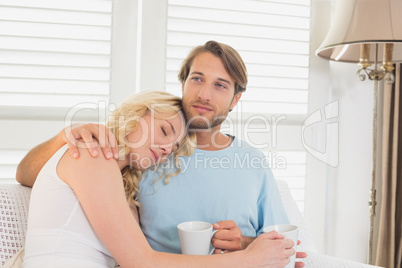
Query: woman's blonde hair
[125, 119]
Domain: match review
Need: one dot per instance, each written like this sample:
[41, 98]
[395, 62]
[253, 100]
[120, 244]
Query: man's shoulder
[246, 147]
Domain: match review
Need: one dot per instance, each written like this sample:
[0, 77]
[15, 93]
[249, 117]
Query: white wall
[352, 178]
[316, 172]
[337, 197]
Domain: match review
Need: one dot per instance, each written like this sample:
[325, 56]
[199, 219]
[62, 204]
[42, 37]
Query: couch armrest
[295, 217]
[320, 260]
[314, 260]
[14, 205]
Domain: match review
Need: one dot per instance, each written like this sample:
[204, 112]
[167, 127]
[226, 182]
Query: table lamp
[362, 32]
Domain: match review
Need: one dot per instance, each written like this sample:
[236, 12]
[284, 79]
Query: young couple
[86, 208]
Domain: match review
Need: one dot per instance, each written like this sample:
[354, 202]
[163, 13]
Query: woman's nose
[166, 149]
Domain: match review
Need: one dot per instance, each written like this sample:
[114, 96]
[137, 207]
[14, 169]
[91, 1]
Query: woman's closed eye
[164, 131]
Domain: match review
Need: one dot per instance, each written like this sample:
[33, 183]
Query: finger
[104, 141]
[71, 142]
[89, 142]
[107, 152]
[290, 252]
[73, 150]
[100, 135]
[230, 235]
[70, 134]
[298, 242]
[289, 243]
[225, 225]
[113, 145]
[301, 255]
[299, 264]
[272, 235]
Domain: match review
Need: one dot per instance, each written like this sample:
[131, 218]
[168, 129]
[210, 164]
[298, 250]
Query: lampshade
[359, 22]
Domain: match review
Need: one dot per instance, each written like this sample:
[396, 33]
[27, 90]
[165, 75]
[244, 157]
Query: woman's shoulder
[85, 166]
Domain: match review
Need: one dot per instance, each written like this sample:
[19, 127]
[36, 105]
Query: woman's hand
[270, 250]
[229, 239]
[93, 135]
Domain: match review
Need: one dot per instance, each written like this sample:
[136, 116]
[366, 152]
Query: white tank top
[59, 233]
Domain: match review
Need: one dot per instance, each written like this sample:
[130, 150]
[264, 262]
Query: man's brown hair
[231, 60]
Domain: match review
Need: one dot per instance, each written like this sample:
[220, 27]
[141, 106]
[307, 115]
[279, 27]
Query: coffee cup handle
[213, 248]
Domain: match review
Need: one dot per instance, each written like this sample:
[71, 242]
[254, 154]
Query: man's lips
[202, 108]
[155, 155]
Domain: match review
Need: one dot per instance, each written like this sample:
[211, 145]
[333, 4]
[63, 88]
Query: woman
[79, 215]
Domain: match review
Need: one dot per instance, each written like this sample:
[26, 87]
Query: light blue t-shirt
[234, 183]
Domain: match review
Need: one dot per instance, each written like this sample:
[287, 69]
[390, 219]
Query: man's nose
[205, 93]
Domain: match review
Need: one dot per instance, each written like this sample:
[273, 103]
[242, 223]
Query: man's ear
[235, 100]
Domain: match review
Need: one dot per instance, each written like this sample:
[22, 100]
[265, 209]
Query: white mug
[195, 237]
[290, 232]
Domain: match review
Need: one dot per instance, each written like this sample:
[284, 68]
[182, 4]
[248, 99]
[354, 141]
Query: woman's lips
[155, 156]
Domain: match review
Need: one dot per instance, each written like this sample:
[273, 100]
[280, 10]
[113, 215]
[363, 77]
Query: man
[225, 181]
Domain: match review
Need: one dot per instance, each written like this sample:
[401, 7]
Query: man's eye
[220, 85]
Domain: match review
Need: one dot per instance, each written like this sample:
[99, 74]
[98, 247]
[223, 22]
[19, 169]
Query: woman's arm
[134, 211]
[98, 185]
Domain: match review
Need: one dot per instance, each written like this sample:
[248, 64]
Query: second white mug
[195, 237]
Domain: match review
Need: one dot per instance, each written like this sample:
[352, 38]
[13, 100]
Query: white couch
[14, 205]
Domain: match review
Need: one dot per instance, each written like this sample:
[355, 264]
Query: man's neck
[212, 140]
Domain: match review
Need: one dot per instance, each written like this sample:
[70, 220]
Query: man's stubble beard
[203, 122]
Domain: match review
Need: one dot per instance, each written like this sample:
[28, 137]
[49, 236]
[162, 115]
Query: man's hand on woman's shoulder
[93, 136]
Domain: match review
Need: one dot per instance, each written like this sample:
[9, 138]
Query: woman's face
[154, 139]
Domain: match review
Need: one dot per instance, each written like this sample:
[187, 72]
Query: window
[54, 53]
[273, 39]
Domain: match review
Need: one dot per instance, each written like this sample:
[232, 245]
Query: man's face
[208, 92]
